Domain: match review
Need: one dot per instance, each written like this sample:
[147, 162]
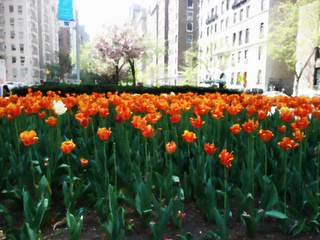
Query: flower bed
[153, 153]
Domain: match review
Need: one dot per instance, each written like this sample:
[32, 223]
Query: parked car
[274, 93]
[15, 84]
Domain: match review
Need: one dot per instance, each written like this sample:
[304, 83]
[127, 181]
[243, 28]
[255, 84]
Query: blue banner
[65, 11]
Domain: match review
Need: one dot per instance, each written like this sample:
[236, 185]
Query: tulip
[29, 137]
[175, 118]
[285, 114]
[226, 158]
[282, 128]
[235, 129]
[52, 121]
[41, 115]
[171, 147]
[265, 135]
[287, 144]
[58, 107]
[147, 131]
[250, 126]
[196, 123]
[103, 133]
[84, 162]
[118, 119]
[67, 146]
[209, 149]
[188, 136]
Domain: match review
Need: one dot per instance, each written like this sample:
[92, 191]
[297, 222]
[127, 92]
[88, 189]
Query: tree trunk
[133, 72]
[116, 76]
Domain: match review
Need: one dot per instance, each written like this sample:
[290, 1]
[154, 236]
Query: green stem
[252, 165]
[199, 133]
[300, 154]
[265, 167]
[32, 169]
[190, 162]
[225, 193]
[285, 183]
[210, 168]
[139, 150]
[17, 135]
[94, 143]
[146, 154]
[171, 171]
[115, 166]
[318, 159]
[105, 166]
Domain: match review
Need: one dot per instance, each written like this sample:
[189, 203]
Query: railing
[212, 18]
[238, 3]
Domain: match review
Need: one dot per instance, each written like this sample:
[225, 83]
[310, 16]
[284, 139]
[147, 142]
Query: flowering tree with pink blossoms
[117, 46]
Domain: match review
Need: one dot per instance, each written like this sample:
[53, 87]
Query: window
[22, 60]
[23, 71]
[234, 39]
[259, 77]
[318, 53]
[216, 9]
[14, 72]
[240, 37]
[232, 78]
[20, 22]
[248, 11]
[227, 21]
[232, 58]
[175, 38]
[13, 47]
[20, 9]
[261, 30]
[238, 78]
[208, 30]
[247, 35]
[189, 27]
[21, 35]
[227, 5]
[11, 21]
[189, 47]
[239, 56]
[14, 59]
[190, 3]
[263, 5]
[245, 54]
[211, 29]
[189, 38]
[226, 41]
[12, 34]
[215, 28]
[189, 16]
[221, 26]
[222, 7]
[11, 8]
[260, 53]
[234, 17]
[241, 15]
[21, 47]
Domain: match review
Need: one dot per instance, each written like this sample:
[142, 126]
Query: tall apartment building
[28, 38]
[175, 28]
[233, 43]
[183, 30]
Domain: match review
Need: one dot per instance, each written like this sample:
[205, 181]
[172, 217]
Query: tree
[287, 22]
[64, 63]
[191, 63]
[117, 46]
[54, 72]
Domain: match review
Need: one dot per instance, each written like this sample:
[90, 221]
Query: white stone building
[28, 38]
[233, 44]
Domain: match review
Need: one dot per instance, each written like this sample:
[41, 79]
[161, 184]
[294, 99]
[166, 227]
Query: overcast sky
[96, 13]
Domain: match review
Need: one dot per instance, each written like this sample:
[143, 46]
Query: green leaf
[223, 230]
[41, 209]
[276, 214]
[8, 216]
[165, 218]
[270, 197]
[63, 166]
[188, 236]
[27, 232]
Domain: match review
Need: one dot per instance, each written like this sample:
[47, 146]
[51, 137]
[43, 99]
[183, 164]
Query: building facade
[28, 38]
[233, 45]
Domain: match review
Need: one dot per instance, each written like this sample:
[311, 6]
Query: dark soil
[193, 222]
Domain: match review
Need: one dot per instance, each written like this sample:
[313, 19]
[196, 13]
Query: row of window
[13, 34]
[245, 55]
[22, 60]
[23, 72]
[21, 47]
[20, 22]
[240, 76]
[11, 9]
[225, 6]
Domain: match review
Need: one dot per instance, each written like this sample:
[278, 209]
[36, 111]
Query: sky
[96, 13]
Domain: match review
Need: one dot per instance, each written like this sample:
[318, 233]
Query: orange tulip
[41, 115]
[52, 121]
[285, 114]
[84, 162]
[104, 112]
[103, 133]
[282, 129]
[67, 146]
[235, 129]
[298, 135]
[262, 115]
[226, 158]
[85, 121]
[147, 131]
[287, 144]
[217, 112]
[250, 126]
[175, 118]
[153, 117]
[171, 147]
[265, 135]
[234, 109]
[28, 137]
[300, 124]
[188, 136]
[138, 122]
[197, 123]
[210, 149]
